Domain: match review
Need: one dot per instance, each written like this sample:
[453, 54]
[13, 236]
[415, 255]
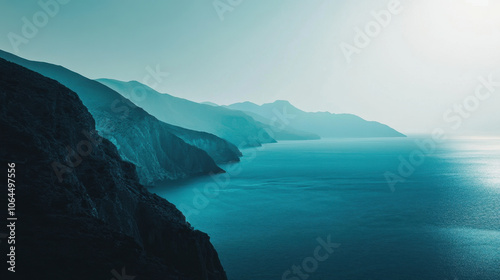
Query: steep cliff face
[140, 138]
[148, 143]
[234, 126]
[98, 221]
[217, 148]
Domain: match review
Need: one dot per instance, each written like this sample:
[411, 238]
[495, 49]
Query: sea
[370, 209]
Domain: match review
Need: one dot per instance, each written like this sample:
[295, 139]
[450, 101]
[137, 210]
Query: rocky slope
[141, 138]
[98, 222]
[236, 127]
[219, 149]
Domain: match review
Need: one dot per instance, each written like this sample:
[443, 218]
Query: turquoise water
[443, 222]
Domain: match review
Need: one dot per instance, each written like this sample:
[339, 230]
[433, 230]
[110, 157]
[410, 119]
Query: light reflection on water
[443, 222]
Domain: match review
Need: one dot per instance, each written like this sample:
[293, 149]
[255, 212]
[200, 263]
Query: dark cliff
[234, 126]
[139, 137]
[99, 219]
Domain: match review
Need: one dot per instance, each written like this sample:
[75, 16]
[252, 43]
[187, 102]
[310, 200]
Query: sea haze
[443, 222]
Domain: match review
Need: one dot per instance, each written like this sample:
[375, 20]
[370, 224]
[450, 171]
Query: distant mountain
[159, 150]
[97, 220]
[209, 103]
[278, 128]
[234, 126]
[324, 124]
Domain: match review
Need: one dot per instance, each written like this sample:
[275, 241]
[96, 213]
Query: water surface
[269, 210]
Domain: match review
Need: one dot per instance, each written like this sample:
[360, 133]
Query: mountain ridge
[236, 127]
[141, 139]
[325, 124]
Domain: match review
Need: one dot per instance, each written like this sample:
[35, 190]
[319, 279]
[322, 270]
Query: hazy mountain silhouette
[236, 127]
[324, 124]
[153, 146]
[210, 103]
[278, 127]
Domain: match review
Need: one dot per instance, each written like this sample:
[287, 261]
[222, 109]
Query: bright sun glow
[467, 31]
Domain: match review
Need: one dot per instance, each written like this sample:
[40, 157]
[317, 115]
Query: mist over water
[442, 223]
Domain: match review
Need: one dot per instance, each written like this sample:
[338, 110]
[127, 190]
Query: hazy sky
[420, 65]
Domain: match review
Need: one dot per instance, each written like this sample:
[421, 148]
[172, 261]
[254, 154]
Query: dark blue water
[267, 213]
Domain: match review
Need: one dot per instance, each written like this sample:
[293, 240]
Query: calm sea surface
[267, 217]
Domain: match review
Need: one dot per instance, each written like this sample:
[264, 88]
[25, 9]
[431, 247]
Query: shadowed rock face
[234, 126]
[220, 150]
[97, 220]
[153, 146]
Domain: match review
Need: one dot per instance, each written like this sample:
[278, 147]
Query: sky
[414, 65]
